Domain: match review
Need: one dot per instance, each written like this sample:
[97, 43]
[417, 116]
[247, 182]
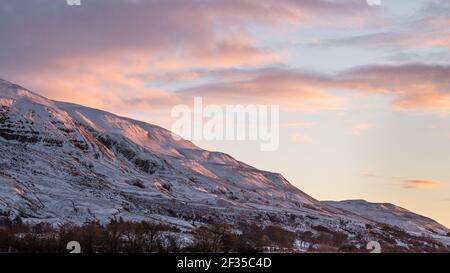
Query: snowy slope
[391, 214]
[63, 162]
[64, 145]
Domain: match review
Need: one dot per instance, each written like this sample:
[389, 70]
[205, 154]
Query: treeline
[145, 237]
[119, 236]
[116, 236]
[250, 238]
[139, 237]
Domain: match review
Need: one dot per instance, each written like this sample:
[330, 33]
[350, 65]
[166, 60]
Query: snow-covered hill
[393, 215]
[63, 162]
[92, 162]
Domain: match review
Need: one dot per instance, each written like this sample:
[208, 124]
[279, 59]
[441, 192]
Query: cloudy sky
[364, 90]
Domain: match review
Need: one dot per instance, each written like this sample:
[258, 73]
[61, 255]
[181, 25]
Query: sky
[364, 90]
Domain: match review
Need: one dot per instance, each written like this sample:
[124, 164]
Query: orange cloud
[432, 100]
[357, 129]
[298, 124]
[414, 87]
[369, 174]
[99, 85]
[300, 138]
[422, 184]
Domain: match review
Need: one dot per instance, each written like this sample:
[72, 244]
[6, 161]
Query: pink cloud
[290, 94]
[49, 30]
[428, 27]
[358, 128]
[110, 57]
[421, 87]
[115, 57]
